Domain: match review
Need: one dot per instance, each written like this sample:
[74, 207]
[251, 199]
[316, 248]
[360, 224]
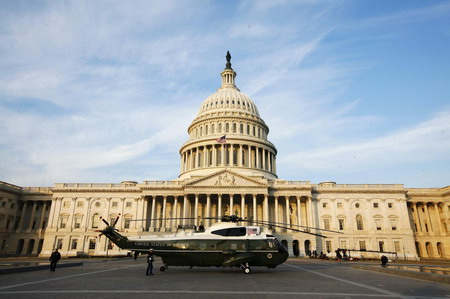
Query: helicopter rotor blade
[103, 219]
[271, 224]
[117, 219]
[301, 226]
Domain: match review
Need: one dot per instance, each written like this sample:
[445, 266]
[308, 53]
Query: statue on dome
[228, 66]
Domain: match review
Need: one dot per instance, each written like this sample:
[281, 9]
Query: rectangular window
[375, 205]
[114, 204]
[341, 224]
[362, 245]
[66, 204]
[92, 244]
[79, 204]
[378, 223]
[74, 244]
[326, 223]
[129, 204]
[63, 222]
[343, 244]
[339, 205]
[127, 223]
[77, 221]
[110, 244]
[390, 205]
[393, 224]
[59, 243]
[328, 246]
[324, 205]
[381, 245]
[397, 246]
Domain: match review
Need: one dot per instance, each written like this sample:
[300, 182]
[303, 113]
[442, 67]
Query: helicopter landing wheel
[163, 268]
[247, 270]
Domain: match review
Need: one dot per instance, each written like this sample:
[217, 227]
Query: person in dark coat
[150, 261]
[384, 260]
[54, 258]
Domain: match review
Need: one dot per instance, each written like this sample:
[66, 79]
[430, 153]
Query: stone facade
[228, 166]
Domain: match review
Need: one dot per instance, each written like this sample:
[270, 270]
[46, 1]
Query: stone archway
[429, 249]
[440, 249]
[296, 248]
[419, 249]
[308, 247]
[30, 247]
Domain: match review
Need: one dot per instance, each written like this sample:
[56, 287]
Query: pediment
[225, 178]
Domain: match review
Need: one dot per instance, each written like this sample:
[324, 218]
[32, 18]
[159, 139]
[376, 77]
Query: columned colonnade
[258, 207]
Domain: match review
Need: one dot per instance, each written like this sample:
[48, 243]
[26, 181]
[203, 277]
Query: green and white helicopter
[223, 244]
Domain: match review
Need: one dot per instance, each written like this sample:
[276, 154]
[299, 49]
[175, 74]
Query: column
[436, 208]
[214, 157]
[309, 212]
[41, 220]
[205, 156]
[144, 213]
[164, 211]
[184, 209]
[181, 164]
[152, 216]
[269, 160]
[240, 156]
[427, 214]
[257, 164]
[249, 156]
[219, 206]
[22, 216]
[208, 209]
[266, 207]
[254, 208]
[231, 204]
[274, 164]
[242, 205]
[264, 159]
[196, 157]
[33, 211]
[298, 211]
[276, 208]
[196, 209]
[174, 212]
[287, 210]
[222, 156]
[418, 223]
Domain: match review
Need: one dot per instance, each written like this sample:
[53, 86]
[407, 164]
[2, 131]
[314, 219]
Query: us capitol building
[228, 166]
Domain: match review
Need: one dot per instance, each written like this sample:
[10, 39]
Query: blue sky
[103, 91]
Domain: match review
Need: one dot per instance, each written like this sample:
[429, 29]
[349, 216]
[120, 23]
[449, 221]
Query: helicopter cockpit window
[230, 232]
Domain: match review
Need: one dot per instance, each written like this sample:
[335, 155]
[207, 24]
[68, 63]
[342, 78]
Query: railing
[4, 185]
[91, 185]
[386, 186]
[162, 183]
[296, 183]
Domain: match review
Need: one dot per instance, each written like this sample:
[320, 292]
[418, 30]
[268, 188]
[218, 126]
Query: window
[393, 223]
[77, 223]
[397, 246]
[59, 243]
[375, 205]
[362, 245]
[92, 244]
[328, 246]
[390, 205]
[97, 204]
[339, 204]
[378, 223]
[341, 224]
[381, 245]
[234, 232]
[357, 205]
[63, 221]
[66, 204]
[79, 204]
[114, 204]
[110, 244]
[359, 222]
[127, 222]
[129, 204]
[74, 244]
[343, 244]
[326, 223]
[324, 205]
[95, 220]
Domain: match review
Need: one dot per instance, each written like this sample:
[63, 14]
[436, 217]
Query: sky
[355, 92]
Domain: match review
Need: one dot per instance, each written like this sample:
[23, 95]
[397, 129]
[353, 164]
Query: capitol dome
[228, 133]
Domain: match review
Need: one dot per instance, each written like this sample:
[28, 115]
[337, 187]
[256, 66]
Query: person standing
[54, 258]
[150, 260]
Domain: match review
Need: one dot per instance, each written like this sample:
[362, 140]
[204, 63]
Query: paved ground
[295, 279]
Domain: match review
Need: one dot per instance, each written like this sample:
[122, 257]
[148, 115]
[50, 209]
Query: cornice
[358, 191]
[64, 190]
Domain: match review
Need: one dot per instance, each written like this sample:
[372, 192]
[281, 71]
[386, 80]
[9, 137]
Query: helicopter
[224, 244]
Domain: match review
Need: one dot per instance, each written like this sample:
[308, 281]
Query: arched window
[242, 129]
[95, 220]
[234, 127]
[359, 222]
[212, 129]
[227, 127]
[220, 128]
[206, 130]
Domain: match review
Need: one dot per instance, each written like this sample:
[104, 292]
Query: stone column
[22, 216]
[298, 211]
[33, 211]
[264, 159]
[208, 209]
[152, 217]
[163, 226]
[174, 212]
[184, 209]
[255, 213]
[276, 209]
[309, 212]
[219, 206]
[287, 210]
[205, 156]
[196, 157]
[257, 164]
[416, 215]
[427, 215]
[240, 156]
[231, 204]
[436, 208]
[41, 219]
[214, 157]
[242, 205]
[222, 156]
[196, 209]
[266, 207]
[249, 156]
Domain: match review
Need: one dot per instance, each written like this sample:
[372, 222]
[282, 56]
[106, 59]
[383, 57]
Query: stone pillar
[222, 156]
[231, 204]
[298, 211]
[436, 208]
[427, 215]
[240, 156]
[266, 207]
[255, 213]
[164, 212]
[196, 157]
[287, 210]
[33, 211]
[219, 206]
[214, 157]
[249, 156]
[196, 209]
[418, 223]
[276, 209]
[309, 212]
[257, 164]
[174, 212]
[152, 217]
[185, 208]
[208, 209]
[264, 159]
[42, 218]
[22, 217]
[242, 205]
